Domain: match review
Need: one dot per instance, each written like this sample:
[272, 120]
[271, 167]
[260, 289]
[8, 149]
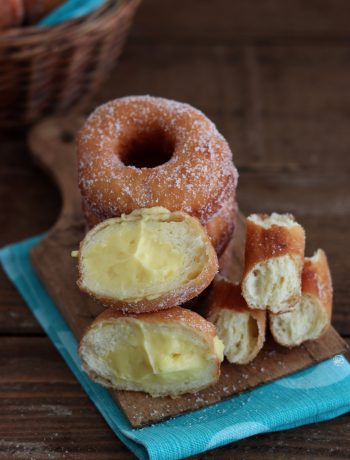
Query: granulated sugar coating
[142, 151]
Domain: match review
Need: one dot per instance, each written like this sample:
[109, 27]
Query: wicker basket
[52, 69]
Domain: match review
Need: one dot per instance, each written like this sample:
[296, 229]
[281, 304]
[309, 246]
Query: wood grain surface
[274, 77]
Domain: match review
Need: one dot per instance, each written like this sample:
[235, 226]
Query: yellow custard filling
[133, 253]
[150, 355]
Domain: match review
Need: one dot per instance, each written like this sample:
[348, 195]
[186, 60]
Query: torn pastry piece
[274, 257]
[164, 353]
[147, 260]
[312, 314]
[241, 329]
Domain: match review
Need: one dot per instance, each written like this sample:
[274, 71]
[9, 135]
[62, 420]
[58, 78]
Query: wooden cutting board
[52, 146]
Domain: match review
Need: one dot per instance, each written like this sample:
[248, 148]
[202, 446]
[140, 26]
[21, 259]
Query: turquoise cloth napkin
[71, 9]
[319, 393]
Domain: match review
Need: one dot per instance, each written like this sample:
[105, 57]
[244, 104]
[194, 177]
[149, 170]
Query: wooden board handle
[52, 143]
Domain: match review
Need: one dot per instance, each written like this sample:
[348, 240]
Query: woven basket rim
[55, 69]
[15, 35]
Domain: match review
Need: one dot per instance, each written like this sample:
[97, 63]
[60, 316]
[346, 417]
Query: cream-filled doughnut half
[312, 314]
[169, 352]
[147, 260]
[274, 257]
[143, 151]
[240, 328]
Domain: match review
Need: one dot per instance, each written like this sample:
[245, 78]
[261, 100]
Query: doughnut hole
[146, 148]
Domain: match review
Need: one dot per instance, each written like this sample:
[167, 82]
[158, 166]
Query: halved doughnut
[274, 257]
[148, 260]
[170, 352]
[312, 315]
[240, 328]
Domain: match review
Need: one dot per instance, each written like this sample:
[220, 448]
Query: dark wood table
[275, 77]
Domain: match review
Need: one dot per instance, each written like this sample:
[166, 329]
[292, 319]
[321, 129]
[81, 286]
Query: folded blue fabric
[71, 9]
[319, 393]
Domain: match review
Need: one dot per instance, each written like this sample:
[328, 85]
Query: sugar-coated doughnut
[143, 151]
[221, 226]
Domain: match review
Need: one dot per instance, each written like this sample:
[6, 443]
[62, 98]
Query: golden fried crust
[220, 228]
[263, 244]
[227, 295]
[224, 294]
[177, 296]
[172, 315]
[231, 261]
[317, 281]
[11, 13]
[198, 178]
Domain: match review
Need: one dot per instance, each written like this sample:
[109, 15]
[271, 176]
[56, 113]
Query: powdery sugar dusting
[197, 179]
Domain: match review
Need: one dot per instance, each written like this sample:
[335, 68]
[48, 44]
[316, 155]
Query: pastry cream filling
[133, 253]
[148, 354]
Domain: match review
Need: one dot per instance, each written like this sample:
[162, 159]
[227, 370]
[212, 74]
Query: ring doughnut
[221, 226]
[142, 151]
